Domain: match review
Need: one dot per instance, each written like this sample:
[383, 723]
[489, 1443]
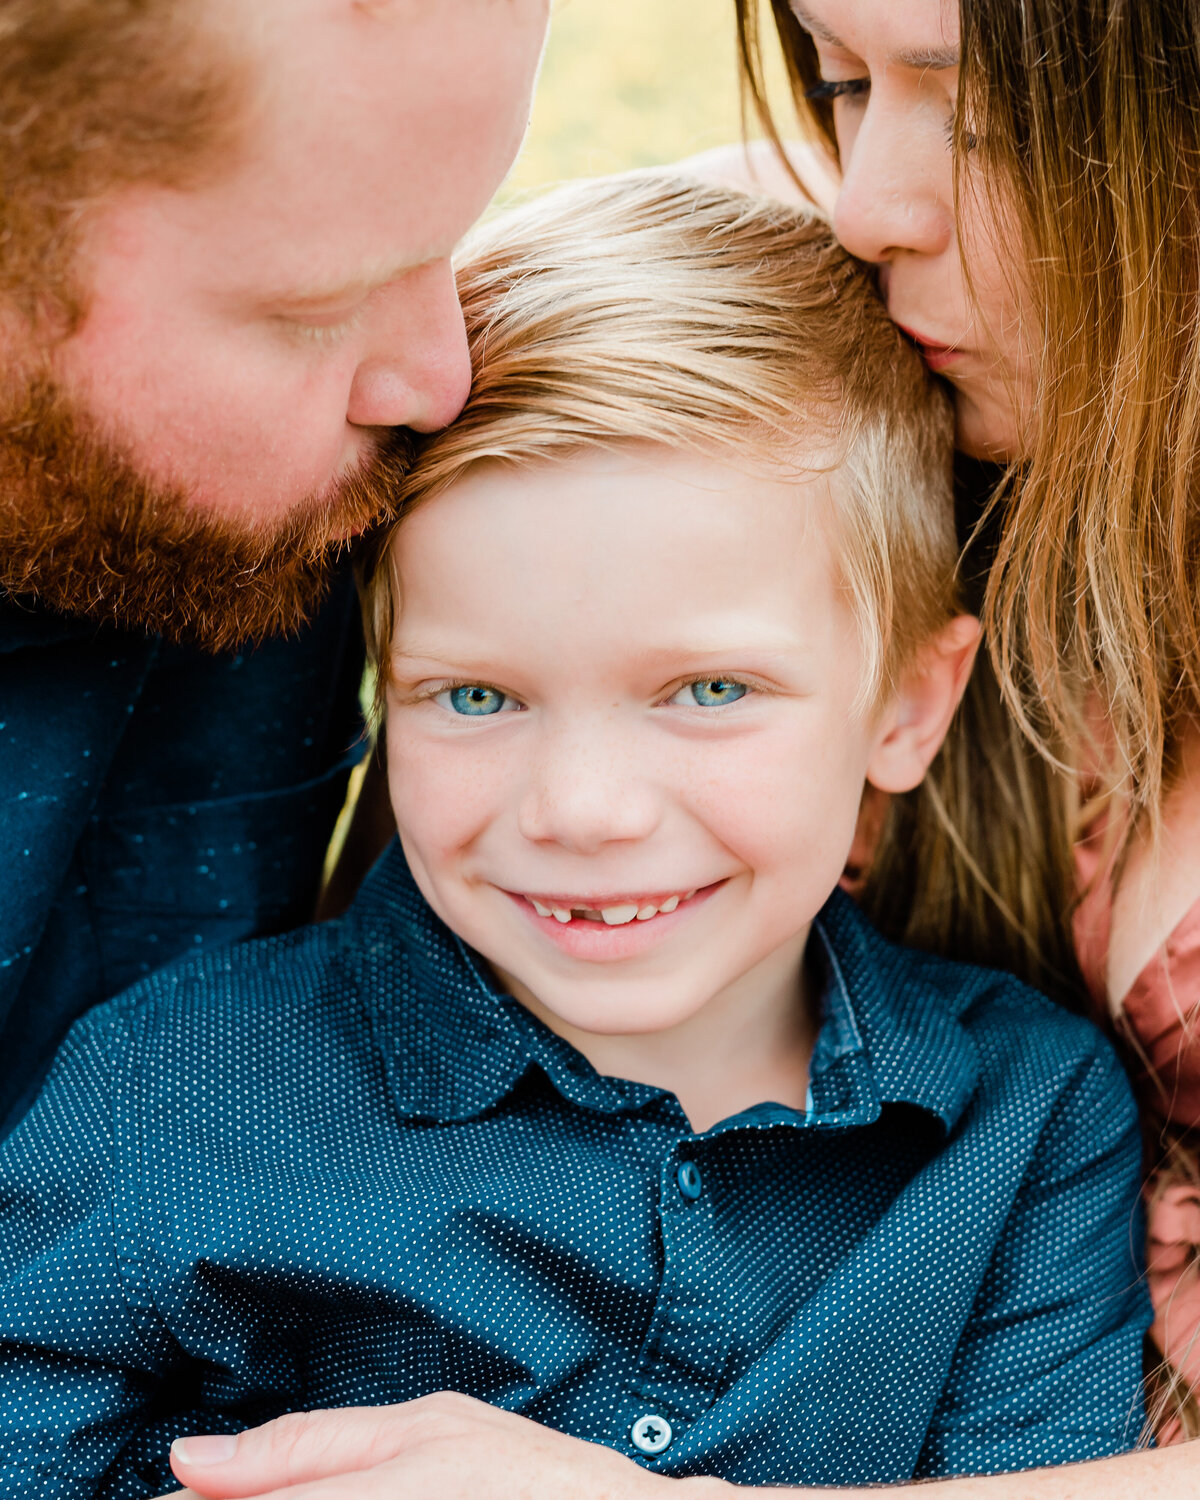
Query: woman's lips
[596, 937]
[936, 356]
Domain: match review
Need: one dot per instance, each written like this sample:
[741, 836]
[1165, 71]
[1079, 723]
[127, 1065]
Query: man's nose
[416, 370]
[897, 190]
[584, 791]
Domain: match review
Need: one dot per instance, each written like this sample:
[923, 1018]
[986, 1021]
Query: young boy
[601, 1103]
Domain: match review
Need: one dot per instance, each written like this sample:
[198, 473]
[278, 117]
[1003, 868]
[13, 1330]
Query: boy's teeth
[617, 916]
[611, 916]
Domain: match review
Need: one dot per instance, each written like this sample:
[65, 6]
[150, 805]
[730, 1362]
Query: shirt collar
[891, 1032]
[455, 1045]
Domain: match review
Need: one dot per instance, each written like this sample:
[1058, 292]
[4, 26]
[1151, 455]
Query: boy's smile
[626, 750]
[613, 925]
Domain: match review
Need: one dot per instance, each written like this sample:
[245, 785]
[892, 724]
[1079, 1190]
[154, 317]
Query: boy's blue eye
[713, 692]
[475, 700]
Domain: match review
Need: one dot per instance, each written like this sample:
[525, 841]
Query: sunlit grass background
[631, 83]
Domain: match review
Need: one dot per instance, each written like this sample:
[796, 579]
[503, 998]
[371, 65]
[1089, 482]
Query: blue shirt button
[651, 1434]
[689, 1180]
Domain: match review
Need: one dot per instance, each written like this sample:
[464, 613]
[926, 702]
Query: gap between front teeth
[612, 916]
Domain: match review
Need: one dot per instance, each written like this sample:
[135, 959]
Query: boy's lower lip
[596, 941]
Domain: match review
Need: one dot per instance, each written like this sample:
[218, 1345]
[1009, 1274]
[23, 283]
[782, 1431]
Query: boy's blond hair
[653, 308]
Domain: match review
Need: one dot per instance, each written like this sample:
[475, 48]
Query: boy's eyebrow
[428, 660]
[924, 59]
[726, 647]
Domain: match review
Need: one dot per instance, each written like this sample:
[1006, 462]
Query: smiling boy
[600, 806]
[602, 1104]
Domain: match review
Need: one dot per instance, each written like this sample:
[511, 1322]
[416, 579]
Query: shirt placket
[686, 1346]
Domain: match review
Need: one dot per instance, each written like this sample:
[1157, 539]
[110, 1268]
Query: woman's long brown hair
[1084, 116]
[976, 863]
[1088, 122]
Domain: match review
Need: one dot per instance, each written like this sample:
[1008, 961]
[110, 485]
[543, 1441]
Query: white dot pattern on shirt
[237, 1197]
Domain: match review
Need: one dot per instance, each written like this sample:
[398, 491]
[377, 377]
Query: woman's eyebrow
[924, 59]
[814, 27]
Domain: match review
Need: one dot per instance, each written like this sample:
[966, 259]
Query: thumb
[294, 1449]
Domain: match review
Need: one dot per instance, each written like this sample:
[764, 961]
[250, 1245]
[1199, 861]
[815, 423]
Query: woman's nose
[897, 192]
[416, 370]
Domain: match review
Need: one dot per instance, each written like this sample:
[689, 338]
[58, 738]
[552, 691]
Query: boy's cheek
[440, 803]
[786, 801]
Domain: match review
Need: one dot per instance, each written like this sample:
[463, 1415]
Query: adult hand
[443, 1447]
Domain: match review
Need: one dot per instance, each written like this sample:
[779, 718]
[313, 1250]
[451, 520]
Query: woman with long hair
[1025, 178]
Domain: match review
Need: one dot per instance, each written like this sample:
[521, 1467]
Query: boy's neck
[750, 1044]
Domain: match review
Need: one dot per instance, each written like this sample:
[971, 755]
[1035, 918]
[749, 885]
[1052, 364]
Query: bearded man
[225, 300]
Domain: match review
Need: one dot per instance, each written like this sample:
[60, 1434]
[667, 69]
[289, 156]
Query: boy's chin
[603, 1005]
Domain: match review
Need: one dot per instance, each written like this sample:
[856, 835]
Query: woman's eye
[969, 139]
[711, 692]
[836, 88]
[475, 700]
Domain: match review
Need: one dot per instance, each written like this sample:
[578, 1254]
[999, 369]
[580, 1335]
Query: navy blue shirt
[339, 1167]
[155, 799]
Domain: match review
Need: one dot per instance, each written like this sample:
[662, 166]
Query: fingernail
[218, 1449]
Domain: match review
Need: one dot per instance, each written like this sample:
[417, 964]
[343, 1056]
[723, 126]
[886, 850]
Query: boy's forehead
[635, 540]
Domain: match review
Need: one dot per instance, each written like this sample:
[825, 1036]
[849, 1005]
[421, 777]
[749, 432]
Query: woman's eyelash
[969, 139]
[836, 88]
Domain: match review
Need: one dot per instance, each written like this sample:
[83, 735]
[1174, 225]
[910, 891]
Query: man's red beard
[84, 534]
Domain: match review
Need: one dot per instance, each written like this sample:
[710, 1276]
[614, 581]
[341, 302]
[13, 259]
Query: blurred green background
[631, 83]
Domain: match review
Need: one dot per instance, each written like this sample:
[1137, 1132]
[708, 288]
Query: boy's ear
[915, 722]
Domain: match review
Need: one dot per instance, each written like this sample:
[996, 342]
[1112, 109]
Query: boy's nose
[583, 794]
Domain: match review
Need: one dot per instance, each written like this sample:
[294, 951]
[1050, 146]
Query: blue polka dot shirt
[339, 1167]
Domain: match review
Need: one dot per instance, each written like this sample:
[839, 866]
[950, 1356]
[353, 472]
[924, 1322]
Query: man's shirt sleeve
[1049, 1367]
[79, 1358]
